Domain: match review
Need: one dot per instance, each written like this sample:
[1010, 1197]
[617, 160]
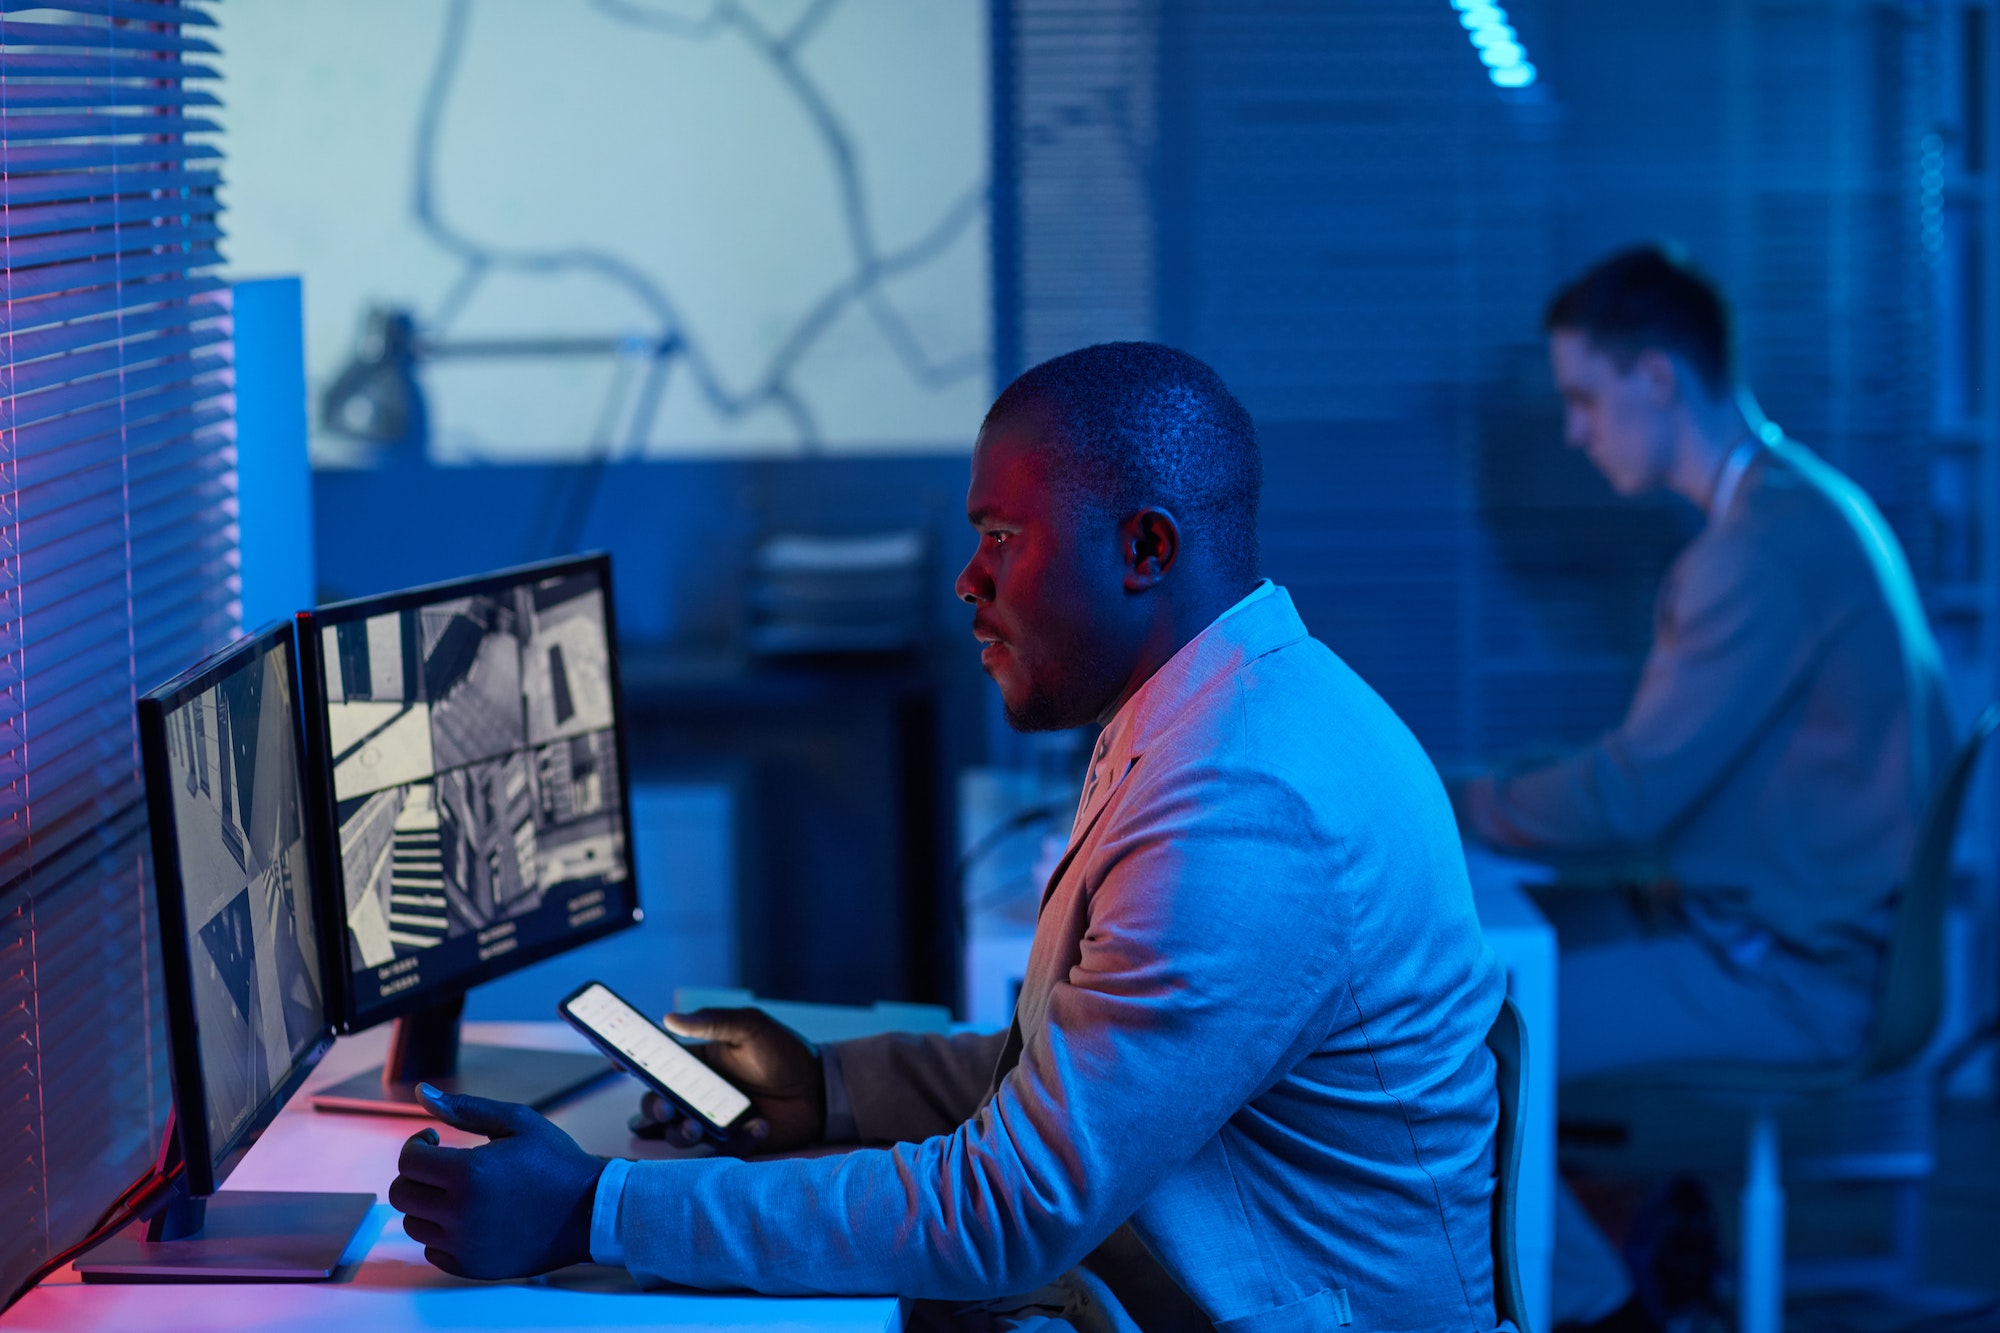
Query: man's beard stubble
[1078, 698]
[1042, 712]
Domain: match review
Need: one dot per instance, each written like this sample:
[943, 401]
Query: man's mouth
[991, 645]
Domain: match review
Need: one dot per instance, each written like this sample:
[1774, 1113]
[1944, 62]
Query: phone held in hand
[655, 1057]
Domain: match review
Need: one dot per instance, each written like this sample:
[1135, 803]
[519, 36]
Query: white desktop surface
[393, 1288]
[1525, 943]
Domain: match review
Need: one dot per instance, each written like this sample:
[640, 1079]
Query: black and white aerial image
[474, 761]
[239, 822]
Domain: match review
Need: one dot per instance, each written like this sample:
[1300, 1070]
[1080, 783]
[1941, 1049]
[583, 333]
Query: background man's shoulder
[1804, 525]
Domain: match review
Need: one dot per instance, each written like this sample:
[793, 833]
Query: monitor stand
[231, 1236]
[424, 1048]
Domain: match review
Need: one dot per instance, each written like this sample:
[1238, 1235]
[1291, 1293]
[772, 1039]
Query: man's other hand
[1476, 802]
[778, 1069]
[512, 1207]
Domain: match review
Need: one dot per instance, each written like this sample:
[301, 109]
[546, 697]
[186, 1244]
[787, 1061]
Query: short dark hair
[1140, 423]
[1650, 298]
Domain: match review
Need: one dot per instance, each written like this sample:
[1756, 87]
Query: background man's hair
[1136, 424]
[1650, 298]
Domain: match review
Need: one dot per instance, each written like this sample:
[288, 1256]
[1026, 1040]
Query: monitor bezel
[342, 992]
[209, 1164]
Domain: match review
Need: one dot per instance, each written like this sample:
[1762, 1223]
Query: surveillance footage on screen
[474, 764]
[239, 814]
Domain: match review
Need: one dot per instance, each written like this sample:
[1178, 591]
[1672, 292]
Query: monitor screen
[469, 747]
[247, 1011]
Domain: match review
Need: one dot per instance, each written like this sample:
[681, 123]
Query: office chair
[1508, 1040]
[1910, 997]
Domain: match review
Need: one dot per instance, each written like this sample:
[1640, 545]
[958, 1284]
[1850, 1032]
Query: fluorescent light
[1498, 45]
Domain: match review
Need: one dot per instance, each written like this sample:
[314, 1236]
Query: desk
[391, 1288]
[1525, 944]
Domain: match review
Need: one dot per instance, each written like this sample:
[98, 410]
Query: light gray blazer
[1788, 725]
[1252, 1026]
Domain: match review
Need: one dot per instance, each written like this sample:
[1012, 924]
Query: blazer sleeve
[1165, 1027]
[1733, 640]
[902, 1087]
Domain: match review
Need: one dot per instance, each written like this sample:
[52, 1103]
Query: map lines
[672, 336]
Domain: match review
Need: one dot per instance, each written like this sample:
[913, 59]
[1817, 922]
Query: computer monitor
[467, 755]
[234, 867]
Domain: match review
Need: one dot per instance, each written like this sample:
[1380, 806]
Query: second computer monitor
[469, 748]
[241, 954]
[235, 870]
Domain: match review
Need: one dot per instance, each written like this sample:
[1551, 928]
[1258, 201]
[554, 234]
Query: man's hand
[778, 1068]
[1476, 802]
[513, 1207]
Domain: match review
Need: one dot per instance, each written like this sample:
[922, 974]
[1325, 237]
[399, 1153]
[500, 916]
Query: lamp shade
[376, 398]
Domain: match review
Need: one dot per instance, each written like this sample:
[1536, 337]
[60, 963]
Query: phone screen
[656, 1056]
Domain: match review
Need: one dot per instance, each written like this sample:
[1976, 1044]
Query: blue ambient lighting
[1499, 46]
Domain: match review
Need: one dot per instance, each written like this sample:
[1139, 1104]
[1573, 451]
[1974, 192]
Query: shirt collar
[1257, 594]
[1262, 620]
[1198, 661]
[1730, 479]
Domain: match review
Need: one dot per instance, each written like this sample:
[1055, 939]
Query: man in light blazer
[1246, 1085]
[1776, 759]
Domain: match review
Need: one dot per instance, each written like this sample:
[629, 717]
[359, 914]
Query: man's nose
[973, 587]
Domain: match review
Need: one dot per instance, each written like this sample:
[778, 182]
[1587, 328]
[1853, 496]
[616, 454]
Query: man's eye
[998, 537]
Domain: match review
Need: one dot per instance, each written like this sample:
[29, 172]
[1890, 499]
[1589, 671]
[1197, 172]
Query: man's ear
[1150, 542]
[1661, 375]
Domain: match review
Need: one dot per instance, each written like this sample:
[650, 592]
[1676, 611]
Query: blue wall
[273, 479]
[679, 532]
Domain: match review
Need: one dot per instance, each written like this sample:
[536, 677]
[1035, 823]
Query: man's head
[1114, 490]
[1636, 342]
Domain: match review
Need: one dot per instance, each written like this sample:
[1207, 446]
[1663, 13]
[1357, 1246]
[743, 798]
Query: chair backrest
[1911, 992]
[1508, 1040]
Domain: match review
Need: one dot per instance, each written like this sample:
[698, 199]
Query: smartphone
[655, 1057]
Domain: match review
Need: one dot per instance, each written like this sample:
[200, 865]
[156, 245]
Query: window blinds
[1084, 88]
[1335, 206]
[117, 565]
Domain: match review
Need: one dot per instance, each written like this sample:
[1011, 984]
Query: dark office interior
[724, 290]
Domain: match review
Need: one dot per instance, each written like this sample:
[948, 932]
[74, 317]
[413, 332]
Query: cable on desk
[131, 1204]
[1019, 822]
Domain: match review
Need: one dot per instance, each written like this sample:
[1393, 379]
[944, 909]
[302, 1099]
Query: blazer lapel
[1010, 1051]
[1084, 824]
[1214, 655]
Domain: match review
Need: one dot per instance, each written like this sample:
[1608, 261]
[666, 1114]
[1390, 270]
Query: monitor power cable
[983, 847]
[1019, 822]
[134, 1202]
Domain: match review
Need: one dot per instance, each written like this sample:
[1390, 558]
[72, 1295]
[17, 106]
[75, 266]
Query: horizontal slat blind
[1084, 96]
[118, 565]
[1343, 214]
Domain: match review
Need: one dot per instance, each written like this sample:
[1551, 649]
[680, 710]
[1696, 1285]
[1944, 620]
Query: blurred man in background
[1775, 760]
